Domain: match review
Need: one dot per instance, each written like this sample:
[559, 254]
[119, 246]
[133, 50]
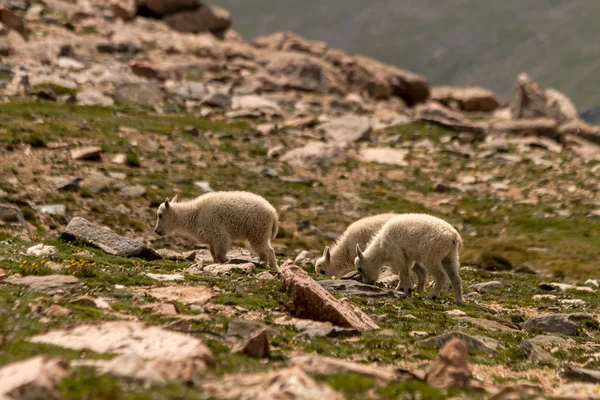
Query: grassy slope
[573, 244]
[463, 42]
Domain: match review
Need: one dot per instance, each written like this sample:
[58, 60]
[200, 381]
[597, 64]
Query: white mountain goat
[409, 238]
[340, 258]
[220, 218]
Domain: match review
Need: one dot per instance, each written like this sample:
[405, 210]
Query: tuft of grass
[132, 160]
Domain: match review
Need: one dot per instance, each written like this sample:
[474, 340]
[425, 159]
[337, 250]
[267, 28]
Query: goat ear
[358, 252]
[327, 254]
[174, 199]
[167, 203]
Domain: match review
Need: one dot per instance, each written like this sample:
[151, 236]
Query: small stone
[204, 186]
[455, 313]
[12, 215]
[91, 153]
[42, 250]
[303, 258]
[418, 334]
[591, 282]
[65, 184]
[92, 97]
[52, 209]
[256, 345]
[525, 269]
[450, 369]
[96, 183]
[133, 191]
[265, 276]
[500, 187]
[3, 194]
[46, 283]
[572, 302]
[165, 277]
[119, 159]
[349, 128]
[57, 311]
[578, 391]
[384, 155]
[544, 297]
[536, 354]
[487, 286]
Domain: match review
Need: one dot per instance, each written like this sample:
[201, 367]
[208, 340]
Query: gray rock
[354, 288]
[536, 354]
[96, 183]
[349, 128]
[255, 103]
[10, 214]
[480, 343]
[140, 93]
[303, 258]
[90, 153]
[487, 285]
[108, 241]
[552, 323]
[187, 90]
[222, 269]
[91, 97]
[46, 283]
[574, 373]
[220, 100]
[65, 184]
[489, 324]
[316, 154]
[52, 209]
[133, 191]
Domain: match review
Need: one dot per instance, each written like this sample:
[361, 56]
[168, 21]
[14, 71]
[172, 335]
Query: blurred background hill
[460, 42]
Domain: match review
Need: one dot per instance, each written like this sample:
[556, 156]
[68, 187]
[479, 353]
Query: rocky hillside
[465, 42]
[109, 108]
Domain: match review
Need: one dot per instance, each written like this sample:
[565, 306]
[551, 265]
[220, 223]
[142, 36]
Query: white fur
[409, 238]
[340, 258]
[220, 218]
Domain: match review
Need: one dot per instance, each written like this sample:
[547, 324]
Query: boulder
[123, 9]
[554, 323]
[383, 81]
[211, 19]
[303, 72]
[108, 241]
[312, 301]
[471, 98]
[13, 21]
[530, 101]
[163, 8]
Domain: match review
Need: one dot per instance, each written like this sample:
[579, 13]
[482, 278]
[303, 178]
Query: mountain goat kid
[219, 218]
[409, 238]
[339, 259]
